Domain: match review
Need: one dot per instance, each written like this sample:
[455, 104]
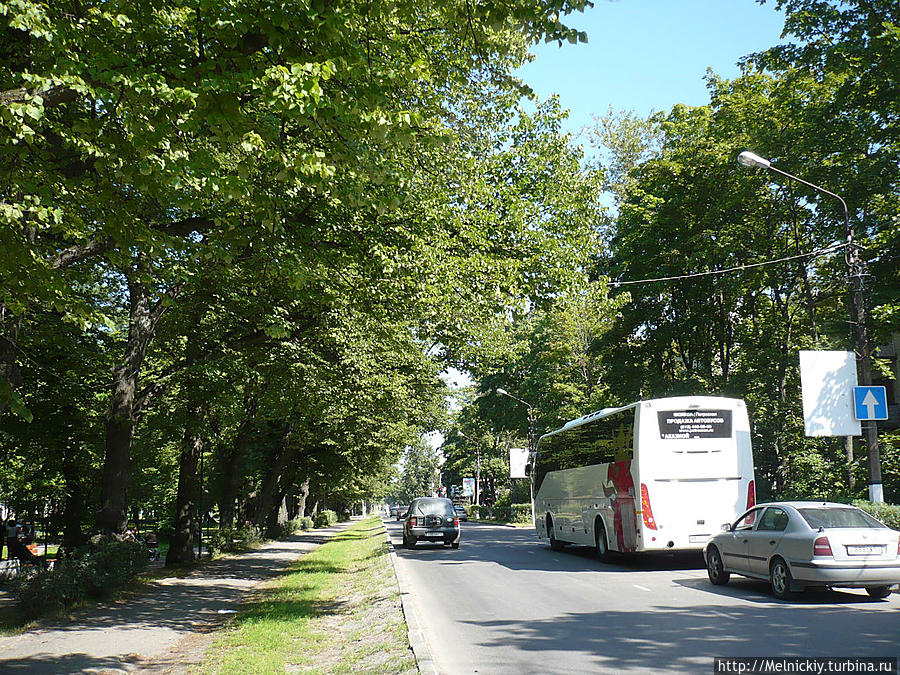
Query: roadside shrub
[520, 513]
[503, 508]
[325, 518]
[230, 540]
[100, 569]
[481, 512]
[40, 592]
[305, 523]
[889, 514]
[112, 564]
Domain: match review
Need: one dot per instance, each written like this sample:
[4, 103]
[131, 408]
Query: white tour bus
[663, 474]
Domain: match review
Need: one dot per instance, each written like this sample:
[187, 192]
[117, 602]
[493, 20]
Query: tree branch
[52, 97]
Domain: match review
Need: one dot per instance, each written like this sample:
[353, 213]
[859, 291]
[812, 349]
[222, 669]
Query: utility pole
[856, 273]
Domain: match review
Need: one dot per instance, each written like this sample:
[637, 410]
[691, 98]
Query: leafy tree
[419, 472]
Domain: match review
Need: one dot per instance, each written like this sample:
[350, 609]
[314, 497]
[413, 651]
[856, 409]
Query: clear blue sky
[645, 55]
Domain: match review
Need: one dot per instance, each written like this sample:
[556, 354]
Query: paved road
[160, 632]
[505, 603]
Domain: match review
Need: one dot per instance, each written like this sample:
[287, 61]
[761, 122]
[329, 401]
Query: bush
[325, 518]
[100, 569]
[112, 564]
[503, 508]
[231, 540]
[520, 513]
[480, 511]
[305, 523]
[889, 514]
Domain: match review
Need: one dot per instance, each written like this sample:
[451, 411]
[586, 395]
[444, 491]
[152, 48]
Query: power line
[822, 251]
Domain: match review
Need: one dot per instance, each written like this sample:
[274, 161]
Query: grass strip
[336, 610]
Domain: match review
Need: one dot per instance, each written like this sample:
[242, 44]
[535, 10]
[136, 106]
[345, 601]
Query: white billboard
[827, 380]
[518, 458]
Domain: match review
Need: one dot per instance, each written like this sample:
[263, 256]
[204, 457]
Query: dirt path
[164, 631]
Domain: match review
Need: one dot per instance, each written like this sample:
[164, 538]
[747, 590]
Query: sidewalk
[163, 631]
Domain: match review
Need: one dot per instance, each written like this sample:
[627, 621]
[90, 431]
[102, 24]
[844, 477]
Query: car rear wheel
[715, 568]
[879, 592]
[455, 544]
[409, 542]
[780, 579]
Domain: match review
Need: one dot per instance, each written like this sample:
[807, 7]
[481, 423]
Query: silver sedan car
[793, 545]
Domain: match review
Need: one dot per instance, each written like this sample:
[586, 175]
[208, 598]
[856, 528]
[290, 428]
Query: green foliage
[889, 514]
[325, 518]
[305, 523]
[520, 513]
[97, 570]
[420, 472]
[235, 540]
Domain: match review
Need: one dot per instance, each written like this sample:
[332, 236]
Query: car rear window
[837, 518]
[433, 507]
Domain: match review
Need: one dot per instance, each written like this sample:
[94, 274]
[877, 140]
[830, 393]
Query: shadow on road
[666, 638]
[753, 590]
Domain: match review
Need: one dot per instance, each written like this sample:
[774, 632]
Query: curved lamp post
[531, 437]
[856, 272]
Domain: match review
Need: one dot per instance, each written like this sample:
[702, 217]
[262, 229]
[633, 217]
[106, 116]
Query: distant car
[393, 510]
[401, 512]
[461, 512]
[794, 545]
[431, 519]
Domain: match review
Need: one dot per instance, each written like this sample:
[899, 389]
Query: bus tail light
[649, 522]
[751, 495]
[822, 547]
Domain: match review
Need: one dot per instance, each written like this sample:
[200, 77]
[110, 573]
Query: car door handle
[746, 541]
[772, 542]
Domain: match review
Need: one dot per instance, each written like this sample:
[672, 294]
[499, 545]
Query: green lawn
[337, 610]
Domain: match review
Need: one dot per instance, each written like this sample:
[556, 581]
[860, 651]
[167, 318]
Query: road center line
[642, 588]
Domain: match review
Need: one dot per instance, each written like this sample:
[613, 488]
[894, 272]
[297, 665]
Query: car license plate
[698, 538]
[434, 533]
[865, 550]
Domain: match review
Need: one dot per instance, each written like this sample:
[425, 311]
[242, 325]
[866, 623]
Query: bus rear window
[691, 424]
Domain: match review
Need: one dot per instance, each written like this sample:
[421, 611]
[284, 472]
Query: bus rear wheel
[555, 545]
[600, 541]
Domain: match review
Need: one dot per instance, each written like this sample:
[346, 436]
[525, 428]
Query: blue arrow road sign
[870, 403]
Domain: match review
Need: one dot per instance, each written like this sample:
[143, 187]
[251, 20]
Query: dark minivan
[431, 519]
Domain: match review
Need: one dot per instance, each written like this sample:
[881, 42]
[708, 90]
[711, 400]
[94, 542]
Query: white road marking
[642, 588]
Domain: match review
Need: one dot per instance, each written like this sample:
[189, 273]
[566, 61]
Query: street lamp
[856, 272]
[531, 435]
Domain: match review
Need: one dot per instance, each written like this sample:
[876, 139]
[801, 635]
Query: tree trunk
[181, 549]
[302, 497]
[271, 484]
[10, 326]
[120, 416]
[233, 458]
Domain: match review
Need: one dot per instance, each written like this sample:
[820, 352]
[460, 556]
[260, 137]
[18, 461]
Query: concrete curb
[417, 641]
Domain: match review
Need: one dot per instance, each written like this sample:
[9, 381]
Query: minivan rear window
[436, 507]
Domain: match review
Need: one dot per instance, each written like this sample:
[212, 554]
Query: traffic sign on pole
[870, 403]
